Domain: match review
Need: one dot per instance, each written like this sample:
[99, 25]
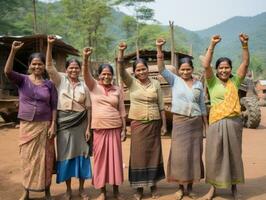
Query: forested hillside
[101, 25]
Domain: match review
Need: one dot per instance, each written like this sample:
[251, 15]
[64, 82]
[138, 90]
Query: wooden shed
[32, 43]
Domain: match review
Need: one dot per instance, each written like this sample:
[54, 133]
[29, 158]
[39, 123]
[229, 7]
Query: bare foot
[101, 197]
[118, 196]
[137, 196]
[68, 195]
[179, 194]
[83, 195]
[154, 193]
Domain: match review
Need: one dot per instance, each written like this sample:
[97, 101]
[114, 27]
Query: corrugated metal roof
[28, 40]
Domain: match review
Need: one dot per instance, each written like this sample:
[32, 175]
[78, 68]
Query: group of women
[69, 107]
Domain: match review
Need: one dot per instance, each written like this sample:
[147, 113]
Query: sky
[201, 14]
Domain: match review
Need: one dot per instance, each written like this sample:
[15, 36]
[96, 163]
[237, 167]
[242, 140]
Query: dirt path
[254, 156]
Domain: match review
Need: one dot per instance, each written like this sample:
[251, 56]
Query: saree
[224, 165]
[229, 107]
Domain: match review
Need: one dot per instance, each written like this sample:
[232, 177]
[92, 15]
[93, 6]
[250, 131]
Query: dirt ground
[254, 156]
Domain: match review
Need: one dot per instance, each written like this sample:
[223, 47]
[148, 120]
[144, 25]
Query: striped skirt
[146, 160]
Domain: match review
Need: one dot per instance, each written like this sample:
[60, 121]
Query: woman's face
[224, 71]
[185, 71]
[141, 72]
[106, 76]
[73, 70]
[36, 67]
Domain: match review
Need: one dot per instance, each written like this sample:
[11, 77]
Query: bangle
[245, 46]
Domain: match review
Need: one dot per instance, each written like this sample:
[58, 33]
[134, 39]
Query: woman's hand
[123, 135]
[51, 131]
[122, 46]
[16, 45]
[215, 39]
[163, 130]
[87, 51]
[51, 39]
[87, 135]
[243, 39]
[205, 128]
[160, 42]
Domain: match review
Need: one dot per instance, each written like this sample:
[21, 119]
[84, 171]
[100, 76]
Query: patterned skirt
[146, 160]
[37, 155]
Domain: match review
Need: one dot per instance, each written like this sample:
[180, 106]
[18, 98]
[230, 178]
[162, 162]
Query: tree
[141, 13]
[7, 17]
[86, 19]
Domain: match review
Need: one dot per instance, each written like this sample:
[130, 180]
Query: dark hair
[36, 55]
[102, 66]
[223, 59]
[137, 61]
[187, 60]
[72, 60]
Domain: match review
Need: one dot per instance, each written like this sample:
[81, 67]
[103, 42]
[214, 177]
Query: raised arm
[206, 63]
[125, 76]
[88, 79]
[50, 68]
[243, 68]
[16, 45]
[160, 57]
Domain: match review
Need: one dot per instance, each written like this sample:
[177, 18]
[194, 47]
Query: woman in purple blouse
[37, 114]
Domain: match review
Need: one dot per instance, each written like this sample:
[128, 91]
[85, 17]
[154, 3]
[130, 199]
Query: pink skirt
[107, 152]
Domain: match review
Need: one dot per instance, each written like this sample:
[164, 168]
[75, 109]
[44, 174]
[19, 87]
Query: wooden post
[171, 24]
[34, 17]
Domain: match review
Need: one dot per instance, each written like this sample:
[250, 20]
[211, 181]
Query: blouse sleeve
[211, 81]
[16, 78]
[168, 76]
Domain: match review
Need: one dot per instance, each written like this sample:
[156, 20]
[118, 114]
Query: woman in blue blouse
[185, 164]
